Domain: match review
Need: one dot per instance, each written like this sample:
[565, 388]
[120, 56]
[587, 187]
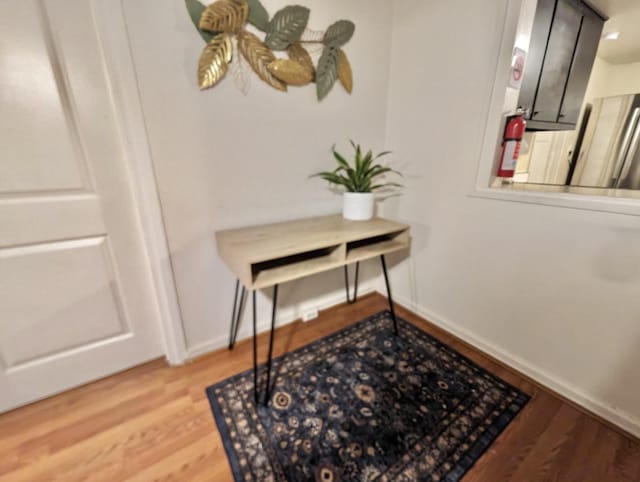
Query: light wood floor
[153, 423]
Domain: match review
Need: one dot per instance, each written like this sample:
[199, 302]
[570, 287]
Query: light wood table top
[262, 256]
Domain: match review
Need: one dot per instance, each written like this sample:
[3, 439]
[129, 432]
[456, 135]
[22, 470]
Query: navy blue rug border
[460, 468]
[232, 457]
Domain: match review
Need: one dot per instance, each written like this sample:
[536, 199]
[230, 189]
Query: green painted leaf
[286, 27]
[195, 9]
[258, 16]
[327, 71]
[339, 33]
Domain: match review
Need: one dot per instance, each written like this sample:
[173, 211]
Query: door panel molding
[19, 178]
[50, 218]
[97, 360]
[59, 69]
[63, 354]
[111, 268]
[72, 302]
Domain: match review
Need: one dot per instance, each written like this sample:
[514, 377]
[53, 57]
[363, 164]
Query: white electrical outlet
[309, 315]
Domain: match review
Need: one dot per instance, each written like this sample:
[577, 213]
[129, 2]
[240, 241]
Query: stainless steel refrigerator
[609, 152]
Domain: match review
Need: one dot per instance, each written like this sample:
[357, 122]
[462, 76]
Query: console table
[269, 255]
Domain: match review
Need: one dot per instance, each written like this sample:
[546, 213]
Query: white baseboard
[612, 414]
[263, 325]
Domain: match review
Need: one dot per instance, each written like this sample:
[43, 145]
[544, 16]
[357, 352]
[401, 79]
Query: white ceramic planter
[358, 206]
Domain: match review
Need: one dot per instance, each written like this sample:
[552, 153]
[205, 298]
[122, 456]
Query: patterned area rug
[361, 405]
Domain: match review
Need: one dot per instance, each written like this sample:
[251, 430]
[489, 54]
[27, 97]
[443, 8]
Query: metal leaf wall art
[286, 27]
[344, 71]
[299, 54]
[214, 60]
[290, 72]
[327, 72]
[240, 71]
[224, 16]
[230, 46]
[259, 57]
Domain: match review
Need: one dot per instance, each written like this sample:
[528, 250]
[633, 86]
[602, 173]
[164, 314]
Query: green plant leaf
[367, 163]
[326, 72]
[341, 160]
[358, 150]
[362, 178]
[381, 154]
[362, 168]
[195, 9]
[366, 160]
[334, 178]
[378, 170]
[386, 184]
[339, 33]
[258, 16]
[355, 184]
[359, 176]
[286, 27]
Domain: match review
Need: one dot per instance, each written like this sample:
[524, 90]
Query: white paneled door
[76, 293]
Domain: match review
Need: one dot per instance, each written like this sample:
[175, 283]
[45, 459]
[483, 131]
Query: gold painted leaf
[345, 75]
[224, 16]
[299, 54]
[214, 61]
[290, 72]
[259, 57]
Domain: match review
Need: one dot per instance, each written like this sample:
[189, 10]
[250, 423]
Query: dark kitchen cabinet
[563, 47]
[557, 62]
[581, 68]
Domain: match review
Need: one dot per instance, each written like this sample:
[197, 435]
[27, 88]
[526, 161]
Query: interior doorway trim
[120, 70]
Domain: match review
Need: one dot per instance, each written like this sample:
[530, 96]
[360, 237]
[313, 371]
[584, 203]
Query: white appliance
[609, 155]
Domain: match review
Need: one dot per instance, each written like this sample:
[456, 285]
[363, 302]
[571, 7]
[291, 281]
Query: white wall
[599, 80]
[224, 160]
[624, 79]
[552, 291]
[613, 79]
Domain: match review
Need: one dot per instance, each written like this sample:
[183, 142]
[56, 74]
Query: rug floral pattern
[364, 405]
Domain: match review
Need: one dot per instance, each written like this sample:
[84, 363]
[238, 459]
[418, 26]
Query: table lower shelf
[280, 270]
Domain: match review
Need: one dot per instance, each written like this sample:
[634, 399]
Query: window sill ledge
[616, 201]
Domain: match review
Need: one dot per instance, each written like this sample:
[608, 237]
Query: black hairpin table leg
[236, 315]
[386, 280]
[346, 283]
[273, 326]
[255, 347]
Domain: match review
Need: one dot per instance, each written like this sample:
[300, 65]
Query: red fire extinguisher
[511, 142]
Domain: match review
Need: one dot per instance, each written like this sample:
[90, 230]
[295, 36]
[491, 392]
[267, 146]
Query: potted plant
[359, 180]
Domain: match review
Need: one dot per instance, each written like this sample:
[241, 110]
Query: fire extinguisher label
[511, 152]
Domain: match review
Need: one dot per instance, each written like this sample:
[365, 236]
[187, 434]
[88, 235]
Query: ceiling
[624, 17]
